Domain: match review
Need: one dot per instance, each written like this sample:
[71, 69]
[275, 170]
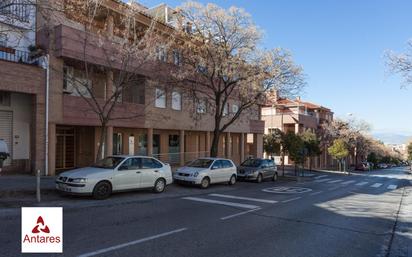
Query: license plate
[63, 187]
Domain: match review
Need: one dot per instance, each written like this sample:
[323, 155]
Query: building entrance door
[65, 148]
[6, 132]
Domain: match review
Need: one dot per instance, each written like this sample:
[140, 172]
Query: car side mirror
[214, 167]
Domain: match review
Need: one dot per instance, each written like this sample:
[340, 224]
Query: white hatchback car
[116, 173]
[206, 171]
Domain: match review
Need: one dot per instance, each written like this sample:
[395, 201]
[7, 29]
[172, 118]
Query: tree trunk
[283, 164]
[310, 163]
[215, 143]
[103, 131]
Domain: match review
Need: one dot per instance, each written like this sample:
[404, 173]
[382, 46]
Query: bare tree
[222, 63]
[401, 63]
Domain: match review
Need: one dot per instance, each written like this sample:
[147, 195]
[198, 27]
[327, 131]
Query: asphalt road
[328, 215]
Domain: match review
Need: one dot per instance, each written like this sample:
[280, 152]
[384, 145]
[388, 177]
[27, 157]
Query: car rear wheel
[259, 178]
[232, 180]
[159, 186]
[275, 177]
[205, 183]
[102, 190]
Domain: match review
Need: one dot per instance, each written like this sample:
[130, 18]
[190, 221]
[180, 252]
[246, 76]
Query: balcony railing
[12, 55]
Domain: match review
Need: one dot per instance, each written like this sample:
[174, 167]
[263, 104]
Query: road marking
[376, 185]
[392, 187]
[348, 182]
[315, 193]
[322, 176]
[335, 181]
[241, 205]
[287, 190]
[238, 214]
[290, 200]
[361, 183]
[244, 198]
[116, 247]
[323, 180]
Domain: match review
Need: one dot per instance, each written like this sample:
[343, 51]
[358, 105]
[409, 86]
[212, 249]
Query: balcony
[257, 126]
[76, 111]
[13, 55]
[99, 50]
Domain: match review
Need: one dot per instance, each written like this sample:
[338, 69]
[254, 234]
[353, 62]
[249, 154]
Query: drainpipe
[46, 141]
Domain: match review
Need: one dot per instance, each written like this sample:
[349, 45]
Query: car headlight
[79, 180]
[196, 174]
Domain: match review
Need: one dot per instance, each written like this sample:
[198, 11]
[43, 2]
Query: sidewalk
[18, 185]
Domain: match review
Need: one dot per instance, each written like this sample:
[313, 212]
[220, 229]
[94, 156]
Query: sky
[341, 47]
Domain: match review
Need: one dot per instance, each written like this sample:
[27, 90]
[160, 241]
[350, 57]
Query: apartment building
[165, 127]
[295, 115]
[22, 83]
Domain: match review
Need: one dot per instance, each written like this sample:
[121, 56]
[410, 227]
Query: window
[226, 164]
[235, 108]
[160, 98]
[226, 110]
[4, 98]
[134, 94]
[217, 165]
[75, 82]
[176, 101]
[201, 106]
[3, 39]
[177, 57]
[149, 163]
[162, 53]
[117, 143]
[130, 164]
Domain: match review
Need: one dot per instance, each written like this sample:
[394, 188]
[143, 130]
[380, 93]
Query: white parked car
[116, 173]
[206, 171]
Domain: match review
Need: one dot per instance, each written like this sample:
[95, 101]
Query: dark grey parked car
[257, 170]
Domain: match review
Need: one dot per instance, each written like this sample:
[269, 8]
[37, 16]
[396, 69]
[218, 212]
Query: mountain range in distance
[391, 138]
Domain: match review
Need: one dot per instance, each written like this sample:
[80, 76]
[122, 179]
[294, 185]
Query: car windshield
[252, 163]
[200, 163]
[108, 162]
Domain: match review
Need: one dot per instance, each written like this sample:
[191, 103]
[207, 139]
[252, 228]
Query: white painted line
[335, 181]
[244, 198]
[241, 205]
[348, 182]
[361, 183]
[377, 185]
[392, 187]
[116, 247]
[322, 176]
[290, 200]
[323, 180]
[316, 193]
[238, 214]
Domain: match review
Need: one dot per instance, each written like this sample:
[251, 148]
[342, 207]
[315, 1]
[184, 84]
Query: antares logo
[42, 230]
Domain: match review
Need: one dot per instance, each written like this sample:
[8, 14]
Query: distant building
[297, 116]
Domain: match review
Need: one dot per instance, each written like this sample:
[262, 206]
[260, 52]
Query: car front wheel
[102, 190]
[259, 178]
[205, 183]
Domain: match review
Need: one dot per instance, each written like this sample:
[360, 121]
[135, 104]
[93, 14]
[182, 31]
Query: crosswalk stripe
[362, 183]
[321, 176]
[244, 198]
[241, 205]
[348, 182]
[377, 185]
[392, 187]
[335, 181]
[323, 180]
